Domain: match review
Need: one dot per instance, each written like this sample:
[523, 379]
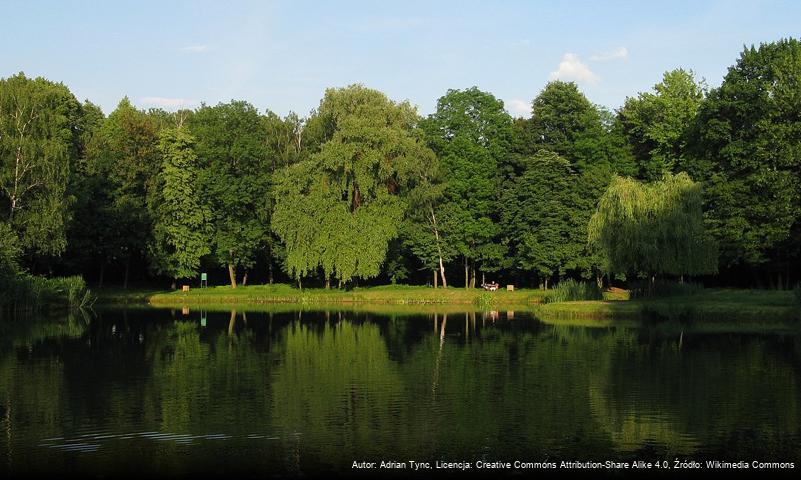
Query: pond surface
[298, 393]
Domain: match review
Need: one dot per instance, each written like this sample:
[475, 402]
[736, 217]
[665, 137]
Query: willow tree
[339, 209]
[654, 228]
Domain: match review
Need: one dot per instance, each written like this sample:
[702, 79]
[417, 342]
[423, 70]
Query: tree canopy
[748, 134]
[653, 228]
[38, 144]
[364, 190]
[181, 233]
[339, 209]
[657, 124]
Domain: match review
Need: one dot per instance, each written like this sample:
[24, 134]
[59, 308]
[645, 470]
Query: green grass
[389, 294]
[708, 305]
[717, 304]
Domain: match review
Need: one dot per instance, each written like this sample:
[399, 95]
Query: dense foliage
[366, 190]
[653, 229]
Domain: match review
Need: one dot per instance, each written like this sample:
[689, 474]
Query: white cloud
[572, 68]
[194, 48]
[167, 102]
[620, 53]
[518, 108]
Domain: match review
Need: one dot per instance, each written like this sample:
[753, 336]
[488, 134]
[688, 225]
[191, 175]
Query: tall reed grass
[33, 293]
[570, 291]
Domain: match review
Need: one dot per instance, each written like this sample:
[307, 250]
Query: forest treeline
[680, 180]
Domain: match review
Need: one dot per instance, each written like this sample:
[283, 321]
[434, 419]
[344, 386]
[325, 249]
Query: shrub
[570, 291]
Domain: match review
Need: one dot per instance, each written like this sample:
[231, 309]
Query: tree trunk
[546, 283]
[439, 248]
[245, 279]
[327, 283]
[270, 276]
[599, 280]
[300, 285]
[173, 285]
[127, 270]
[232, 274]
[435, 278]
[466, 275]
[473, 276]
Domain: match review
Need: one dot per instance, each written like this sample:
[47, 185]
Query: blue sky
[282, 55]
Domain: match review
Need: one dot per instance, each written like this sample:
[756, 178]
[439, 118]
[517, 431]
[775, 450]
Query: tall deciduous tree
[565, 122]
[471, 133]
[181, 230]
[653, 228]
[235, 181]
[749, 135]
[544, 212]
[423, 233]
[38, 143]
[657, 124]
[122, 162]
[338, 210]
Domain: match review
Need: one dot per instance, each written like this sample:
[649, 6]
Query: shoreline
[710, 304]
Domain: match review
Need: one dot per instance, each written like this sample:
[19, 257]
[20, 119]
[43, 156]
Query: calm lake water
[298, 393]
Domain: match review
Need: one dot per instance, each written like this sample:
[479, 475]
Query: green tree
[38, 143]
[565, 122]
[471, 133]
[235, 181]
[121, 165]
[657, 124]
[653, 229]
[88, 233]
[748, 135]
[181, 233]
[543, 209]
[338, 210]
[422, 232]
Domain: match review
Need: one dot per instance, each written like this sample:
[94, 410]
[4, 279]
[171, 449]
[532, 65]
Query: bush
[570, 291]
[664, 288]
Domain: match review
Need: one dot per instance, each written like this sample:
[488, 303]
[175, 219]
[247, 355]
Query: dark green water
[157, 392]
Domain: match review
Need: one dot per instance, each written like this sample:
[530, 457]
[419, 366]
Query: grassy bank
[707, 304]
[390, 294]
